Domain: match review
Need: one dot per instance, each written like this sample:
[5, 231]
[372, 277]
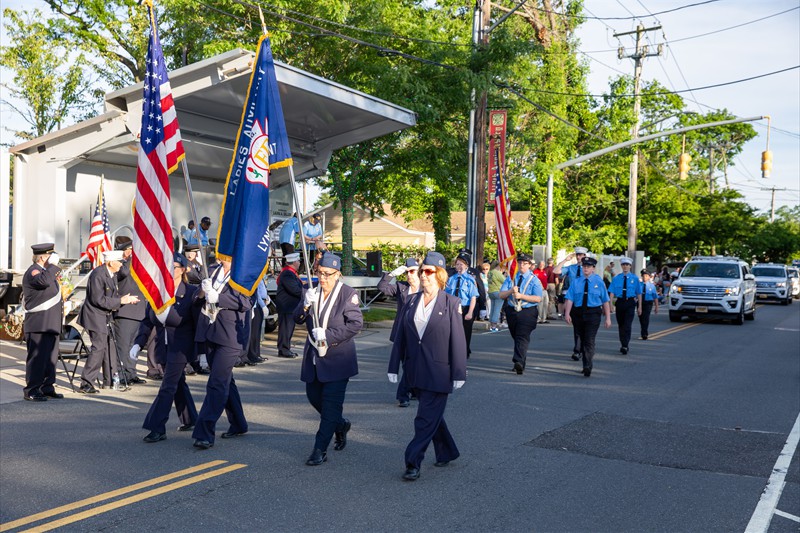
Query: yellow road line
[678, 328]
[107, 495]
[133, 499]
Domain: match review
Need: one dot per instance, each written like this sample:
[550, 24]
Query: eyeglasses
[427, 272]
[326, 275]
[411, 271]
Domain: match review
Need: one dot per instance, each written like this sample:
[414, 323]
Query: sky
[699, 50]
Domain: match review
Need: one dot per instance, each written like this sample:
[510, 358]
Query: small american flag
[99, 233]
[502, 216]
[160, 151]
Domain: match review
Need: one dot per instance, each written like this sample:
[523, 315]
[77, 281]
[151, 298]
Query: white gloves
[162, 316]
[392, 378]
[397, 271]
[212, 296]
[135, 349]
[53, 259]
[203, 361]
[206, 285]
[458, 384]
[311, 296]
[319, 334]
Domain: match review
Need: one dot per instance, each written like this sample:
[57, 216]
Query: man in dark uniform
[586, 302]
[194, 273]
[96, 317]
[43, 316]
[627, 289]
[522, 297]
[290, 291]
[128, 318]
[569, 274]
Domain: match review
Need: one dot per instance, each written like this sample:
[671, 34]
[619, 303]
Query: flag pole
[193, 209]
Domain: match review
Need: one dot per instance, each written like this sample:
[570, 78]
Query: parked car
[716, 286]
[794, 279]
[772, 283]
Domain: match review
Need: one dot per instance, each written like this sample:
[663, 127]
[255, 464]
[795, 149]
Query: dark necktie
[458, 286]
[624, 286]
[585, 303]
[519, 280]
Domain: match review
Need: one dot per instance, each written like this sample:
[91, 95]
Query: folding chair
[72, 346]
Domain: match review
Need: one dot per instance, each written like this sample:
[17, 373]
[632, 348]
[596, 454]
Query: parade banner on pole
[497, 141]
[262, 146]
[502, 216]
[160, 152]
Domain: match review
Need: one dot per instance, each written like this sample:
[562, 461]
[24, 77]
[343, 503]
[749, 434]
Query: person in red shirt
[552, 281]
[540, 273]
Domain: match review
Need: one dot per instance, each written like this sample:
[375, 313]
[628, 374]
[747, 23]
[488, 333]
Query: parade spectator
[41, 290]
[552, 282]
[430, 338]
[189, 234]
[329, 356]
[522, 296]
[205, 225]
[483, 314]
[286, 237]
[401, 290]
[496, 279]
[586, 301]
[608, 273]
[312, 234]
[540, 273]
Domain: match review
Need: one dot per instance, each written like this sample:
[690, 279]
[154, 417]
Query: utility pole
[772, 208]
[640, 53]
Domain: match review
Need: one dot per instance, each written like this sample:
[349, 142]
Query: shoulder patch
[35, 272]
[354, 299]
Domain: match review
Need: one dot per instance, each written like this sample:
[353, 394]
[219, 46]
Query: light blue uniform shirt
[466, 290]
[633, 289]
[596, 296]
[649, 291]
[527, 286]
[289, 229]
[312, 231]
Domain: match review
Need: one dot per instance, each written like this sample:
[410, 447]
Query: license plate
[762, 296]
[701, 309]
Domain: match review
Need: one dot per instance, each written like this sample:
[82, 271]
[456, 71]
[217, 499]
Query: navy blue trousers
[586, 324]
[403, 390]
[221, 394]
[626, 310]
[521, 324]
[644, 318]
[173, 390]
[429, 425]
[40, 366]
[328, 400]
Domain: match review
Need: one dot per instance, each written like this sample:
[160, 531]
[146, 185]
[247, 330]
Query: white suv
[716, 286]
[773, 282]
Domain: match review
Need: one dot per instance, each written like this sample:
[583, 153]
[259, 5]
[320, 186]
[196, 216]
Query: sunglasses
[326, 275]
[427, 271]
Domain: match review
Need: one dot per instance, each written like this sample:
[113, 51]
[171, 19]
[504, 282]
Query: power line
[634, 17]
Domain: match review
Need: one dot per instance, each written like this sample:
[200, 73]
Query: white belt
[44, 306]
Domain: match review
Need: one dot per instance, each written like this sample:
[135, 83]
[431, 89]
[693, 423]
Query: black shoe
[403, 403]
[250, 363]
[240, 364]
[202, 444]
[154, 436]
[317, 457]
[186, 427]
[576, 356]
[290, 355]
[587, 372]
[411, 474]
[441, 463]
[35, 397]
[644, 337]
[340, 437]
[231, 434]
[260, 359]
[190, 372]
[137, 381]
[157, 377]
[518, 369]
[204, 371]
[54, 394]
[623, 350]
[87, 389]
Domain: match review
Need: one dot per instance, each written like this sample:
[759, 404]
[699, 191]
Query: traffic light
[766, 163]
[683, 165]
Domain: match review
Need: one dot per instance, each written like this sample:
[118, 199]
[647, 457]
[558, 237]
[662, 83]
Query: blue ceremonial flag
[261, 146]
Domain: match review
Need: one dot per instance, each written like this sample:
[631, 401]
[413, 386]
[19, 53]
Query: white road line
[787, 515]
[767, 505]
[786, 329]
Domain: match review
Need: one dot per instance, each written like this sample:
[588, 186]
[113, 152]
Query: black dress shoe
[87, 389]
[186, 427]
[35, 397]
[518, 368]
[290, 355]
[137, 381]
[644, 337]
[340, 437]
[441, 463]
[623, 350]
[250, 363]
[587, 372]
[232, 434]
[317, 457]
[54, 394]
[260, 359]
[154, 436]
[204, 371]
[576, 356]
[240, 364]
[202, 444]
[411, 474]
[403, 403]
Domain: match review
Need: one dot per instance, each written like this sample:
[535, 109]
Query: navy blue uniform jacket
[180, 325]
[440, 357]
[290, 291]
[39, 284]
[343, 325]
[399, 290]
[102, 299]
[232, 325]
[127, 285]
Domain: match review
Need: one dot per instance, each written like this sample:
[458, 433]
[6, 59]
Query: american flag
[160, 151]
[502, 219]
[99, 233]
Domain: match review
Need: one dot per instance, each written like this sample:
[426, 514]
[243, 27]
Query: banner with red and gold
[497, 143]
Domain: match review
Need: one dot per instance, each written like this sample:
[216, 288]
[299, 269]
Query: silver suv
[717, 286]
[773, 283]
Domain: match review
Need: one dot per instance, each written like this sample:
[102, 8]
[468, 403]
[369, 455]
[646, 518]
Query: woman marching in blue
[430, 337]
[175, 330]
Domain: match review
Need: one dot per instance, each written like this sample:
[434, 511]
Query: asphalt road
[682, 434]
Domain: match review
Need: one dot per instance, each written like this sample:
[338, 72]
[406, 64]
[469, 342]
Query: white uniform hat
[581, 250]
[113, 255]
[625, 261]
[293, 257]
